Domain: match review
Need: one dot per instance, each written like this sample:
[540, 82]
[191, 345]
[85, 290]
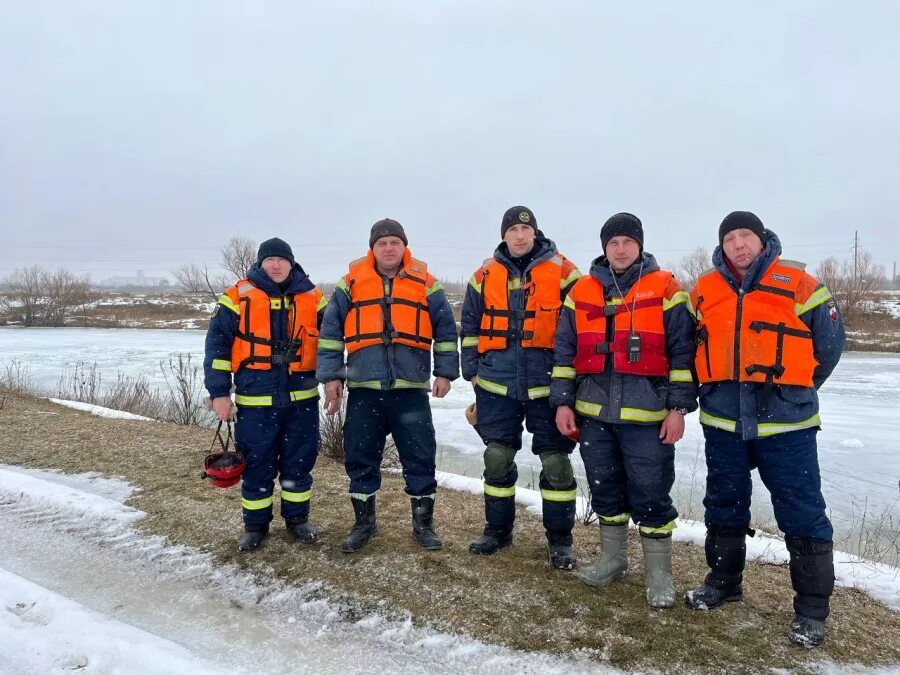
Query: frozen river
[860, 412]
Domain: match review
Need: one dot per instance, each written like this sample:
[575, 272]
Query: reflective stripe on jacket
[380, 313]
[638, 342]
[253, 344]
[540, 316]
[757, 336]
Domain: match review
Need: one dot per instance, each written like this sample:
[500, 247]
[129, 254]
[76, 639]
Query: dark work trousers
[405, 414]
[500, 420]
[282, 442]
[788, 466]
[629, 470]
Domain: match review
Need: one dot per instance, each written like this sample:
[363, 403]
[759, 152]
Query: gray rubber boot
[658, 571]
[613, 561]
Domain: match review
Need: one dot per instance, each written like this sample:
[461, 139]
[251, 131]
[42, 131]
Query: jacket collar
[298, 281]
[600, 270]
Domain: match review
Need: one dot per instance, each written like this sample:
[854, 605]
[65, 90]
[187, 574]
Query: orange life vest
[771, 345]
[253, 343]
[540, 317]
[639, 314]
[379, 314]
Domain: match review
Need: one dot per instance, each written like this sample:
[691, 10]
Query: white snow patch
[74, 537]
[852, 443]
[43, 632]
[100, 411]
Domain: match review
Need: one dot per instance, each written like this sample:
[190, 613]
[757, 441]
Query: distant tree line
[33, 296]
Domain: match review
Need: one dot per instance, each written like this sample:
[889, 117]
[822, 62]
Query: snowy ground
[85, 592]
[860, 411]
[80, 590]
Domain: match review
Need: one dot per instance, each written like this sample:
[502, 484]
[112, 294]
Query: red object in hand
[574, 435]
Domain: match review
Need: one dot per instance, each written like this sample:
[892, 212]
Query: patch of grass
[512, 598]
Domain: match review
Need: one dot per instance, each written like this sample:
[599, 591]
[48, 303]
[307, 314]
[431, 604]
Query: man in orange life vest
[623, 365]
[769, 335]
[264, 333]
[388, 312]
[508, 322]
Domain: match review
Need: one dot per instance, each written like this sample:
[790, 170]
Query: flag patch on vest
[783, 278]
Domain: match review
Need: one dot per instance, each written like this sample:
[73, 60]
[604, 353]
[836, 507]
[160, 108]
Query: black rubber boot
[726, 552]
[423, 523]
[562, 555]
[493, 539]
[812, 576]
[364, 528]
[806, 631]
[302, 530]
[253, 537]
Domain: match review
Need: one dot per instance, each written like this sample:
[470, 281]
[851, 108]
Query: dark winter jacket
[523, 372]
[754, 409]
[604, 396]
[391, 366]
[277, 382]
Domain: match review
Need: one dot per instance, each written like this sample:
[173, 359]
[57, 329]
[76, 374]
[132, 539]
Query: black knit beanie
[387, 227]
[516, 215]
[274, 247]
[622, 225]
[738, 220]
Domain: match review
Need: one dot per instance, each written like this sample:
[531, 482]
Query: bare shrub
[196, 280]
[35, 297]
[22, 295]
[15, 376]
[588, 517]
[874, 536]
[854, 286]
[184, 379]
[81, 383]
[135, 395]
[691, 266]
[238, 255]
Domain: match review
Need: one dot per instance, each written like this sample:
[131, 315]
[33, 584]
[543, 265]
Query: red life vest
[640, 313]
[771, 344]
[253, 344]
[540, 317]
[396, 316]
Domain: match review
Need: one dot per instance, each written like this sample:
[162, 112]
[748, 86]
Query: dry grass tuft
[512, 598]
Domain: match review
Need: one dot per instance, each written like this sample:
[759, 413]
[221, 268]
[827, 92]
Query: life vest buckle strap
[760, 326]
[777, 370]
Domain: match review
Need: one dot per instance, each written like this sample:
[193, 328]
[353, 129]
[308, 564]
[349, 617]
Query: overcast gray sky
[145, 134]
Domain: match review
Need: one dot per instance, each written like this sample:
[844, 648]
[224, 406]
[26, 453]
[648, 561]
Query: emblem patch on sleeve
[833, 311]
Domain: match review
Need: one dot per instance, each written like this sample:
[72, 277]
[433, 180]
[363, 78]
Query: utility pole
[855, 253]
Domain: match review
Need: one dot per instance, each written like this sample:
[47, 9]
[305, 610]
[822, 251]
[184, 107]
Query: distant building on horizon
[139, 280]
